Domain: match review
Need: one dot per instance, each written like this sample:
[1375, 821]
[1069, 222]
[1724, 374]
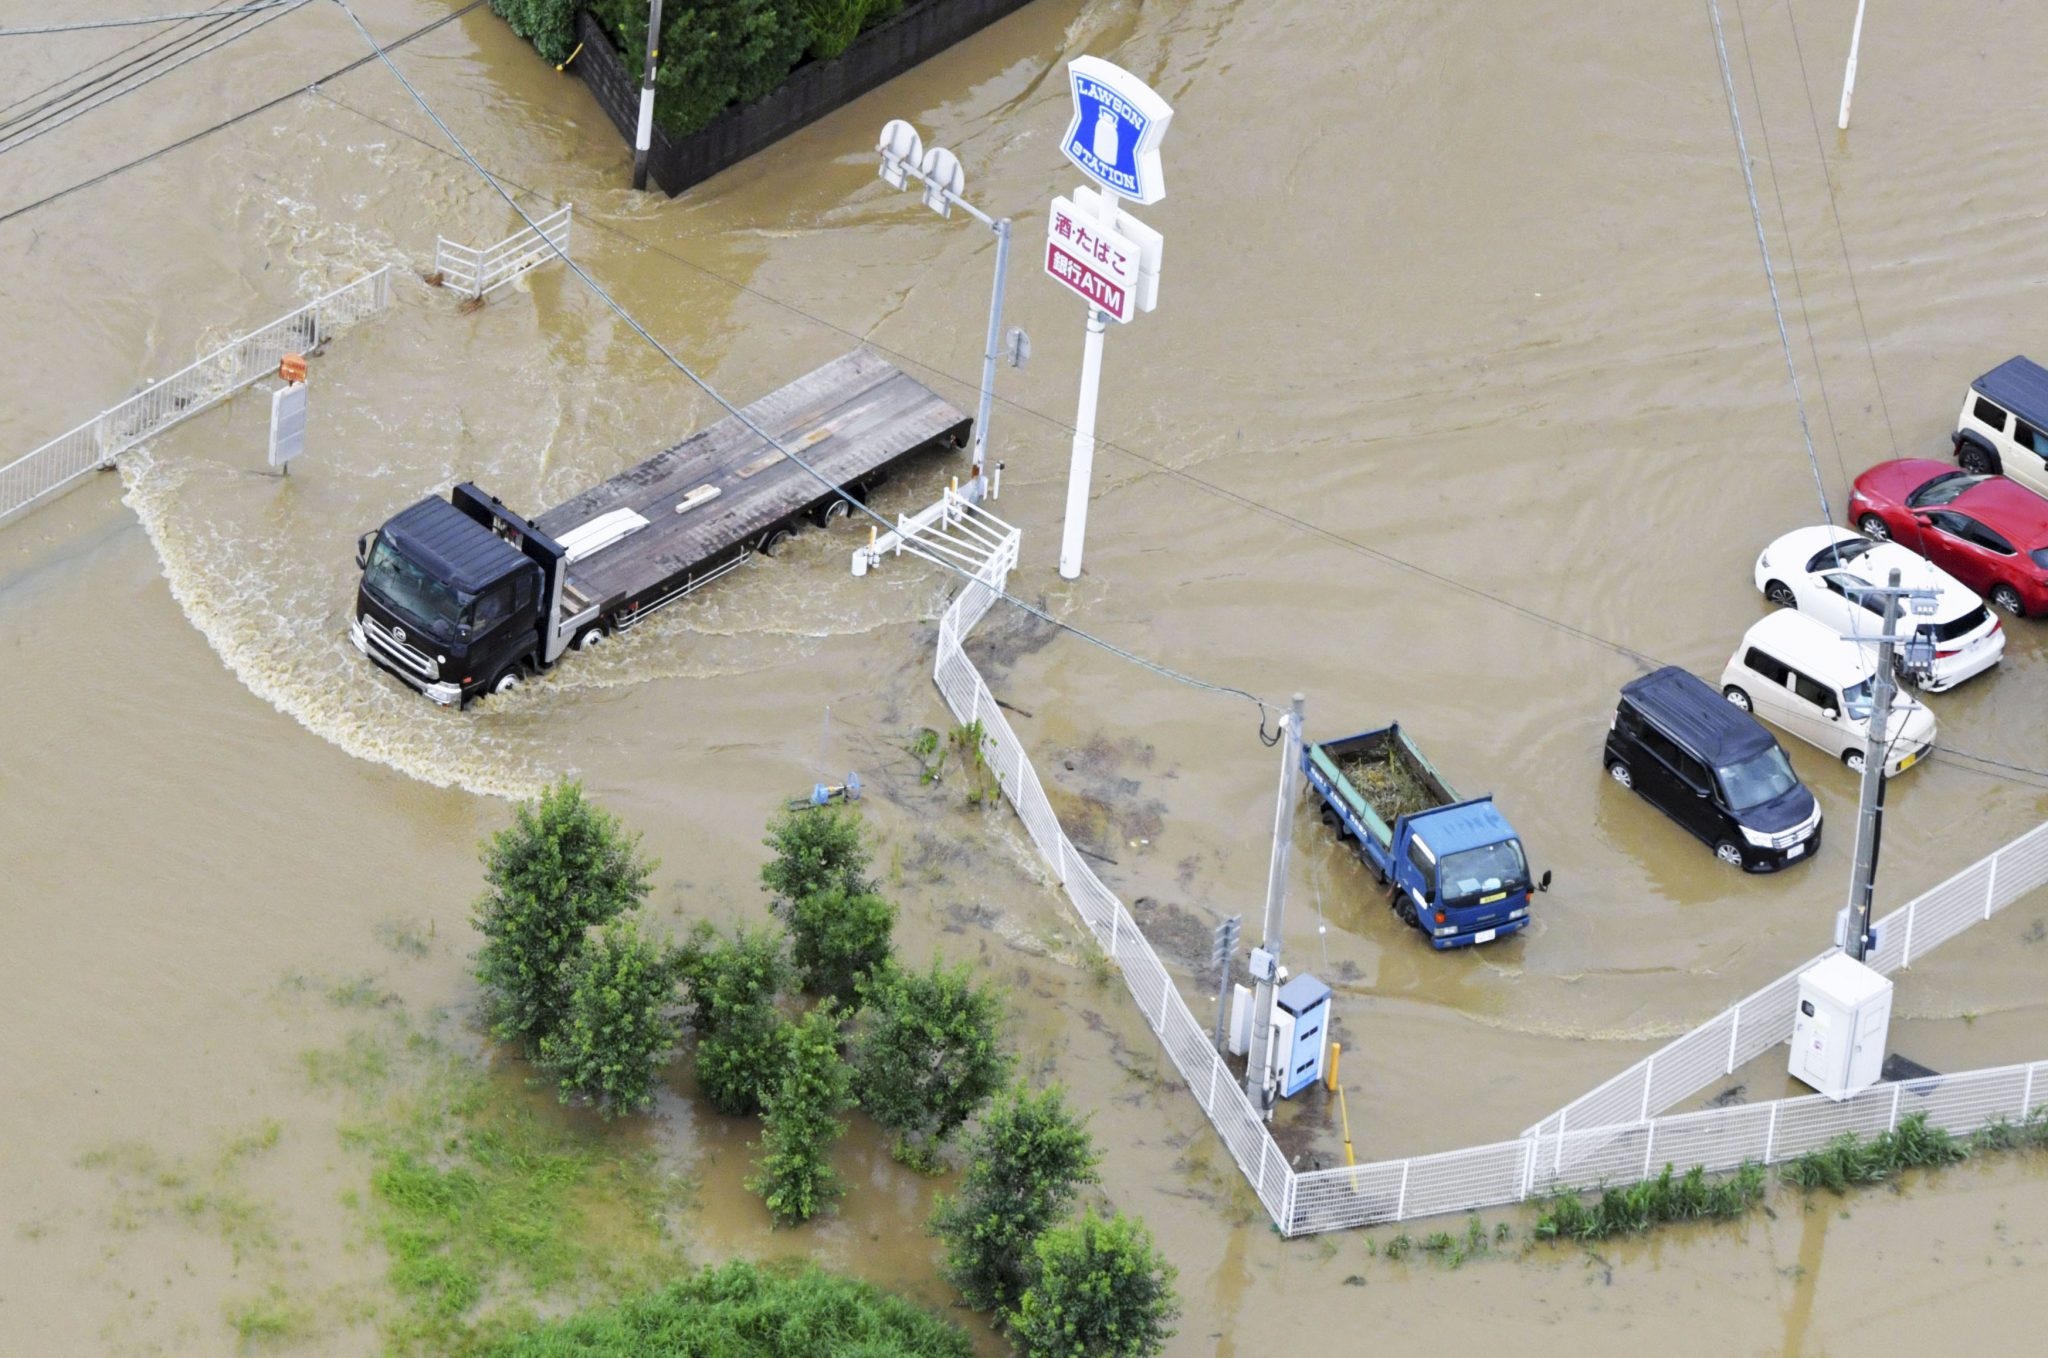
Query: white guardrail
[212, 379]
[1611, 1138]
[479, 271]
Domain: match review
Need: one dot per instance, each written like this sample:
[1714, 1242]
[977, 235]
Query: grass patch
[1639, 1206]
[1849, 1159]
[270, 1320]
[2003, 1134]
[743, 1309]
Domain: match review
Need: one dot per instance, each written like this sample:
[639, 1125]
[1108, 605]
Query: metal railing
[1608, 1137]
[212, 379]
[1739, 1034]
[479, 271]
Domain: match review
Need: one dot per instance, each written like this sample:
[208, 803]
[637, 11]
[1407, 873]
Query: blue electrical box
[1307, 1002]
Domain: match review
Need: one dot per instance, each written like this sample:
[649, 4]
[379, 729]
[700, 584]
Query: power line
[2027, 770]
[740, 415]
[136, 21]
[1848, 268]
[1770, 276]
[225, 123]
[53, 122]
[164, 45]
[118, 51]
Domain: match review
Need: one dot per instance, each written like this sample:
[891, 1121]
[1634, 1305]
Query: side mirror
[1543, 882]
[363, 551]
[1832, 714]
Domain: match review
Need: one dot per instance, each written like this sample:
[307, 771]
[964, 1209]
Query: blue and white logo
[1117, 127]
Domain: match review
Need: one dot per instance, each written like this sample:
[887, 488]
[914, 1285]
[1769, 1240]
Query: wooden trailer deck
[724, 487]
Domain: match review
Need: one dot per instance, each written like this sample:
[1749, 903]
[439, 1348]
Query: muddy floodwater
[1463, 402]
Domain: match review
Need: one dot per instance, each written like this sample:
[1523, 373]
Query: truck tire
[1975, 458]
[508, 679]
[774, 539]
[591, 637]
[1405, 908]
[834, 508]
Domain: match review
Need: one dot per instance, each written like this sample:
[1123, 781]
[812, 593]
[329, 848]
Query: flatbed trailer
[464, 596]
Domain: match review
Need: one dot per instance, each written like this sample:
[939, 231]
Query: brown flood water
[1468, 284]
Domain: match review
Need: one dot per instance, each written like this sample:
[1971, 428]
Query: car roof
[1875, 566]
[454, 547]
[2009, 507]
[1461, 826]
[1811, 646]
[2020, 385]
[1692, 713]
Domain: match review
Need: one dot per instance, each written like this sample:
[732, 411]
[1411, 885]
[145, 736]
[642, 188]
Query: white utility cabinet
[1839, 1028]
[1239, 1037]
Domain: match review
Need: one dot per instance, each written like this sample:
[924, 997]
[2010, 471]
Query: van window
[1769, 666]
[1422, 865]
[1661, 745]
[1813, 690]
[1693, 771]
[1990, 414]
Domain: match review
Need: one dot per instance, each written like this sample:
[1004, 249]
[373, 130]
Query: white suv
[2004, 424]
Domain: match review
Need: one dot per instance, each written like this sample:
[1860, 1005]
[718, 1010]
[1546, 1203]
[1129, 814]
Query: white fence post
[1771, 1135]
[1896, 1091]
[1287, 1199]
[1557, 1164]
[1649, 1073]
[1529, 1170]
[1906, 954]
[1209, 1104]
[2027, 1094]
[1649, 1145]
[1734, 1028]
[1991, 883]
[1401, 1207]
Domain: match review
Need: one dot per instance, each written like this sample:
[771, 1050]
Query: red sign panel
[1097, 289]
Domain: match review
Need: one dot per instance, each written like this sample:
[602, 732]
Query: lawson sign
[1117, 127]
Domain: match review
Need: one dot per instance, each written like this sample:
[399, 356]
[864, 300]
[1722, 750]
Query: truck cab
[1459, 874]
[451, 598]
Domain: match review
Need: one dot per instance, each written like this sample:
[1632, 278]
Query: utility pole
[1266, 961]
[644, 137]
[1870, 812]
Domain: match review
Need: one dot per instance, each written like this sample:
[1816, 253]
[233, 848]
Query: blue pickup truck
[1456, 868]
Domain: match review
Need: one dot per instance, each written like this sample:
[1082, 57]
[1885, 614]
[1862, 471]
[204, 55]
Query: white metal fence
[1746, 1030]
[1610, 1135]
[478, 271]
[214, 378]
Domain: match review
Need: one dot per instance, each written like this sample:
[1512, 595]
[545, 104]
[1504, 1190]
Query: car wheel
[2008, 598]
[1737, 697]
[1874, 528]
[1618, 771]
[1974, 459]
[1780, 593]
[1729, 852]
[1854, 759]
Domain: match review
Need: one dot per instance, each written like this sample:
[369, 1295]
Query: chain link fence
[1610, 1136]
[212, 379]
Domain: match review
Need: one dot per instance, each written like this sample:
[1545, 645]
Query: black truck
[463, 596]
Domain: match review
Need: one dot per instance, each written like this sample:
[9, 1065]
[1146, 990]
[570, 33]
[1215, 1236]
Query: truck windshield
[1760, 778]
[405, 587]
[1481, 872]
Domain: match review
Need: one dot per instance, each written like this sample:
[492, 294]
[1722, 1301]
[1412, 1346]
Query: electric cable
[1763, 247]
[633, 323]
[135, 21]
[161, 46]
[1941, 748]
[51, 123]
[230, 121]
[142, 41]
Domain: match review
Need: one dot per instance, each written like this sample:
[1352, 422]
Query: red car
[1986, 531]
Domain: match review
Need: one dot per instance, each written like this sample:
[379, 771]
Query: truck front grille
[398, 652]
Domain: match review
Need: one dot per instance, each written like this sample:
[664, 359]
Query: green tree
[929, 1052]
[550, 25]
[714, 53]
[616, 1028]
[1025, 1163]
[838, 939]
[729, 988]
[562, 866]
[1103, 1291]
[800, 1120]
[816, 849]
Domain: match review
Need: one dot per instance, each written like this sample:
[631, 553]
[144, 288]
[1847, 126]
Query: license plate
[1496, 896]
[1909, 761]
[1485, 935]
[1794, 852]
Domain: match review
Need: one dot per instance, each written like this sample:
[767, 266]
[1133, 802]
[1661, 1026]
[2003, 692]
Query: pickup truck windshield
[410, 590]
[1481, 872]
[1758, 779]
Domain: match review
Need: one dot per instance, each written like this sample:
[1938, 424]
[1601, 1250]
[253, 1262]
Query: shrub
[560, 867]
[550, 25]
[800, 1120]
[714, 53]
[816, 849]
[929, 1052]
[1850, 1160]
[1025, 1164]
[740, 1308]
[730, 986]
[839, 939]
[617, 1028]
[1650, 1202]
[1103, 1291]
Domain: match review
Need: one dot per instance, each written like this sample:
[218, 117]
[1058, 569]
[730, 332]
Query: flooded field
[1462, 402]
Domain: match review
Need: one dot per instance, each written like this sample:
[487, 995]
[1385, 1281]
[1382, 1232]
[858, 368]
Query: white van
[1804, 678]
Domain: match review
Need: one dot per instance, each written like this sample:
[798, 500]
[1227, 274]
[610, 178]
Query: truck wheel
[834, 508]
[772, 541]
[1405, 908]
[1975, 458]
[506, 682]
[591, 637]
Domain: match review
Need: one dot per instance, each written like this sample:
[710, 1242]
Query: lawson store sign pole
[1099, 251]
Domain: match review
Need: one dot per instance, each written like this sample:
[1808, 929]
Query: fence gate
[479, 271]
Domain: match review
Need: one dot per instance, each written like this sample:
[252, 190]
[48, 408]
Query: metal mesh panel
[1717, 1139]
[1692, 1061]
[1807, 1124]
[1458, 1181]
[211, 379]
[1965, 1102]
[1338, 1199]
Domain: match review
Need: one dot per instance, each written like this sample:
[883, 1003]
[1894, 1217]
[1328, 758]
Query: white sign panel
[1118, 123]
[1092, 260]
[287, 423]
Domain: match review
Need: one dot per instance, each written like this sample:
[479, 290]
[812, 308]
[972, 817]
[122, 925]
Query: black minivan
[1714, 769]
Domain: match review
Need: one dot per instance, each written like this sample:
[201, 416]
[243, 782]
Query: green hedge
[550, 25]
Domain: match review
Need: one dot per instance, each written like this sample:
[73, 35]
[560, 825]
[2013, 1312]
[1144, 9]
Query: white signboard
[1117, 127]
[287, 423]
[1092, 260]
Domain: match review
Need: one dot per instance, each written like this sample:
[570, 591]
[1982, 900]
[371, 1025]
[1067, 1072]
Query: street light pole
[643, 137]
